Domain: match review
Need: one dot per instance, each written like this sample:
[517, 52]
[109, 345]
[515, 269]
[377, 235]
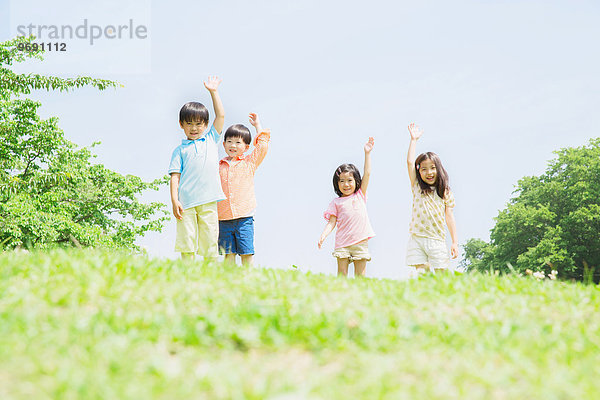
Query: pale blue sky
[496, 85]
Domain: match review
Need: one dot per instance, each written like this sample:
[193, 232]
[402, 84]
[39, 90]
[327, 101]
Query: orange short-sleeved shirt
[237, 181]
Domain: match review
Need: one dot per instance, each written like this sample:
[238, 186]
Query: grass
[98, 325]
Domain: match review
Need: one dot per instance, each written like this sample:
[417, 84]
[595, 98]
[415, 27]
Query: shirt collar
[237, 158]
[188, 141]
[201, 138]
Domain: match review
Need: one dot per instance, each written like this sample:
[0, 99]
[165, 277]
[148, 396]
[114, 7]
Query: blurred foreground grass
[93, 325]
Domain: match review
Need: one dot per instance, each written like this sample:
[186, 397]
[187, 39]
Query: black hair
[340, 170]
[193, 111]
[238, 130]
[441, 180]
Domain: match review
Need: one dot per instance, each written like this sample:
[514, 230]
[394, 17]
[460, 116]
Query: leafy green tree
[552, 222]
[50, 191]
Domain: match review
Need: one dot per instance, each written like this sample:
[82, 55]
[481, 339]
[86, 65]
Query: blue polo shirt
[198, 163]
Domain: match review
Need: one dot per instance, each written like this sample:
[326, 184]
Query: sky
[497, 86]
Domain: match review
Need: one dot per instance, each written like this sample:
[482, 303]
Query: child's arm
[255, 121]
[415, 134]
[260, 146]
[452, 228]
[328, 228]
[174, 185]
[367, 170]
[212, 85]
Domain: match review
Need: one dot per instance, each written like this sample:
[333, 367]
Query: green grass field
[90, 325]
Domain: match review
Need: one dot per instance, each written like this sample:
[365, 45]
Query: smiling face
[193, 129]
[428, 172]
[235, 146]
[347, 184]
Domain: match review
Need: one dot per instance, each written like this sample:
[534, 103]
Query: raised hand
[415, 131]
[369, 145]
[213, 83]
[254, 120]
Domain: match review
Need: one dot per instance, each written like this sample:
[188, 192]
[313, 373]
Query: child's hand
[454, 250]
[415, 131]
[254, 119]
[369, 145]
[178, 210]
[213, 83]
[321, 240]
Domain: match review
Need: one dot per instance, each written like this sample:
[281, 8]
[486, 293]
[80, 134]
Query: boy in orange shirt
[236, 213]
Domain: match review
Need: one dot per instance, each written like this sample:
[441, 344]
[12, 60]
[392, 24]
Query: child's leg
[360, 255]
[186, 240]
[227, 240]
[342, 255]
[230, 258]
[438, 255]
[421, 269]
[343, 266]
[247, 259]
[208, 230]
[416, 257]
[244, 238]
[418, 270]
[360, 267]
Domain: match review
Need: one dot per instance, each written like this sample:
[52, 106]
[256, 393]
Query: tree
[50, 191]
[551, 223]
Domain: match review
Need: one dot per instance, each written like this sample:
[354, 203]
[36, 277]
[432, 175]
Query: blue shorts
[236, 236]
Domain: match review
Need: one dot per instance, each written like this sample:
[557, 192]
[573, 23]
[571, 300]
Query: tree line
[51, 191]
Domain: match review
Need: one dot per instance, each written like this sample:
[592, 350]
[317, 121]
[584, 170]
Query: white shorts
[358, 251]
[431, 252]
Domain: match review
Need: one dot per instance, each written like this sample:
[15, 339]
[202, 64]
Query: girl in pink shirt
[349, 213]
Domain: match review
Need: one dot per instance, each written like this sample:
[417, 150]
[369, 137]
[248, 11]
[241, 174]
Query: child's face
[193, 129]
[347, 184]
[235, 146]
[428, 171]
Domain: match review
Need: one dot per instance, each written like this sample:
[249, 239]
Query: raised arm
[212, 86]
[367, 170]
[261, 145]
[415, 134]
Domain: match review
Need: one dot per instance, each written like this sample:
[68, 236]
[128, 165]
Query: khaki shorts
[198, 230]
[431, 252]
[358, 251]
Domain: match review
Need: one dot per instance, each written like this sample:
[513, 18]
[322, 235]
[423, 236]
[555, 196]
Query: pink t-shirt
[353, 224]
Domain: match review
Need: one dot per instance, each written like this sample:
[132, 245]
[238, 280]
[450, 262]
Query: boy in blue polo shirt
[195, 182]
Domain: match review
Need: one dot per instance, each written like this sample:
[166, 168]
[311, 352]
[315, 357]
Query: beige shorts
[198, 230]
[431, 252]
[358, 251]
